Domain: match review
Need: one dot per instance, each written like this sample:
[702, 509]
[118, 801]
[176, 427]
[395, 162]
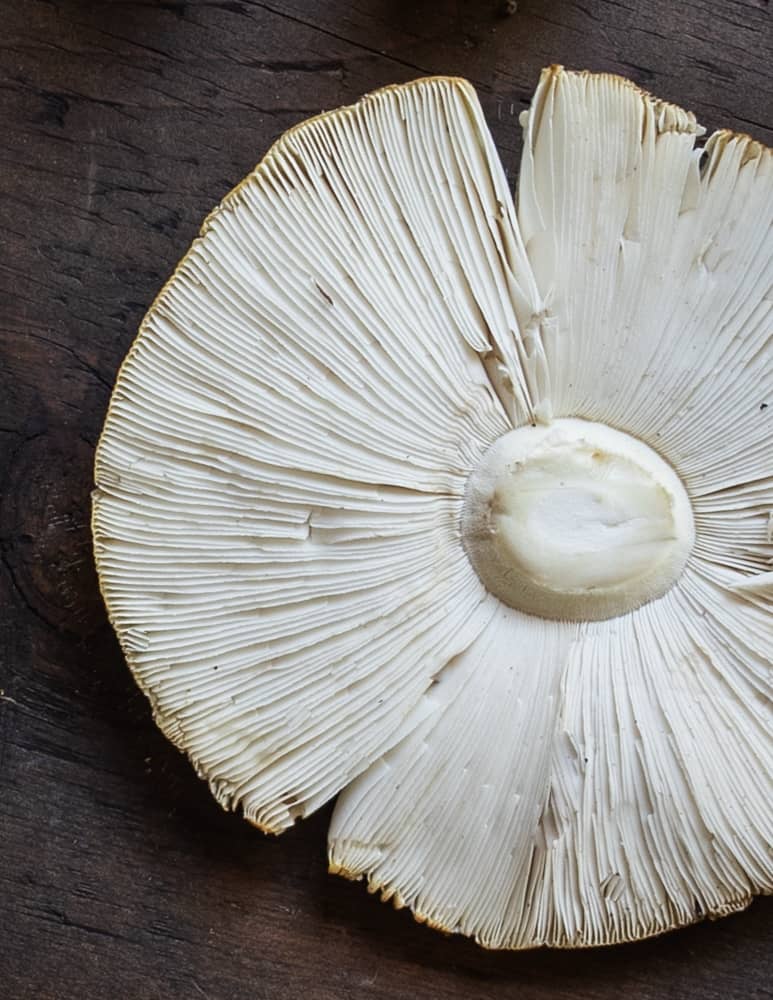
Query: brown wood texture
[123, 123]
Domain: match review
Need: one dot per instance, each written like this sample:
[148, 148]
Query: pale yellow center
[576, 520]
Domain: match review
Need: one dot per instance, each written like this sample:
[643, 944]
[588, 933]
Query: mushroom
[463, 511]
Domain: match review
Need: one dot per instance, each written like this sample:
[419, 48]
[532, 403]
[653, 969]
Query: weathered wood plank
[123, 123]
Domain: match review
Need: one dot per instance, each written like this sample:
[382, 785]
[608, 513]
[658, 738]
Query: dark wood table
[123, 122]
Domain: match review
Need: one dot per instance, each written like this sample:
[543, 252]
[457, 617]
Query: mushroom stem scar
[576, 521]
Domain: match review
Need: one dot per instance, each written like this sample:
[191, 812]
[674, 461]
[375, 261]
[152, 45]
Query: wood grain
[123, 123]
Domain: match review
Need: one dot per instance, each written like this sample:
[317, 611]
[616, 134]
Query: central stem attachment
[576, 520]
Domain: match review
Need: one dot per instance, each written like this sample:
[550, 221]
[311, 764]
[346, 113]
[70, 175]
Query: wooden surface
[123, 122]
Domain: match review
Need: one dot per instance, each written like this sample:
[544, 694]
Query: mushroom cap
[288, 542]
